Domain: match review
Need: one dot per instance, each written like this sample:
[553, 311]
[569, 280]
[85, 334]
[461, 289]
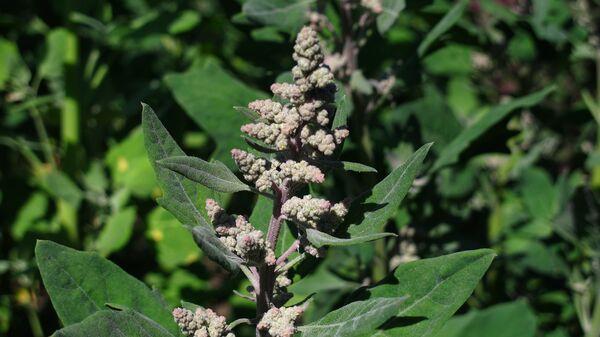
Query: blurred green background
[519, 175]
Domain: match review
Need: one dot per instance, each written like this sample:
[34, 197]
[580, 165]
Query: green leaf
[116, 232]
[441, 27]
[320, 239]
[179, 194]
[33, 210]
[435, 287]
[354, 319]
[387, 196]
[451, 153]
[213, 248]
[174, 244]
[215, 176]
[347, 166]
[389, 14]
[492, 322]
[115, 323]
[287, 15]
[80, 283]
[208, 95]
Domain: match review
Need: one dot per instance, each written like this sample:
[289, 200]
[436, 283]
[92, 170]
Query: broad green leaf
[387, 195]
[174, 244]
[34, 208]
[215, 176]
[129, 165]
[81, 283]
[435, 287]
[108, 323]
[287, 15]
[213, 248]
[441, 27]
[389, 14]
[320, 239]
[451, 153]
[208, 95]
[116, 232]
[355, 319]
[492, 322]
[179, 194]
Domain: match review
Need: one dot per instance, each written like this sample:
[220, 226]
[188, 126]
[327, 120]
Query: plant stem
[293, 247]
[266, 273]
[34, 322]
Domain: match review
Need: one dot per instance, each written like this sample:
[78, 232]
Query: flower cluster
[302, 124]
[201, 323]
[314, 213]
[280, 322]
[239, 236]
[319, 214]
[266, 173]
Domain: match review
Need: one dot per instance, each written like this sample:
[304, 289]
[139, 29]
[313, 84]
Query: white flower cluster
[314, 213]
[239, 236]
[201, 323]
[280, 322]
[305, 119]
[264, 173]
[319, 214]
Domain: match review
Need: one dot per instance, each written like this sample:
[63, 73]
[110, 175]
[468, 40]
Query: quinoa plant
[294, 140]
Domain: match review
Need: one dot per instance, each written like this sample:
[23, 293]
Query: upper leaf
[81, 283]
[451, 153]
[435, 287]
[354, 319]
[387, 195]
[320, 239]
[179, 194]
[215, 176]
[108, 323]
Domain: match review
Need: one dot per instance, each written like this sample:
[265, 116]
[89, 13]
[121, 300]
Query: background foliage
[506, 89]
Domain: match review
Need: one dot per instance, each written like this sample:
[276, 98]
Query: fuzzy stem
[289, 265]
[293, 247]
[266, 274]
